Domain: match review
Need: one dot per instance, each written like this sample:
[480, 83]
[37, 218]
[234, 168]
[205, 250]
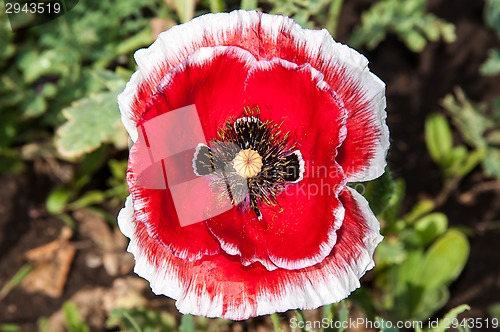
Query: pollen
[247, 163]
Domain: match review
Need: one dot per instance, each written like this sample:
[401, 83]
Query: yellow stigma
[247, 163]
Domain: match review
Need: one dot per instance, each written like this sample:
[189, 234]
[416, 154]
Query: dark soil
[415, 85]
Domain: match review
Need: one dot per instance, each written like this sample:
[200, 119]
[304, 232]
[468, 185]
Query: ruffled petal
[309, 212]
[162, 208]
[363, 154]
[218, 286]
[266, 37]
[172, 48]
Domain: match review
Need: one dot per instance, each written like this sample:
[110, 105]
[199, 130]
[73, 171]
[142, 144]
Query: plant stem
[469, 196]
[333, 17]
[276, 322]
[14, 281]
[249, 4]
[216, 6]
[449, 186]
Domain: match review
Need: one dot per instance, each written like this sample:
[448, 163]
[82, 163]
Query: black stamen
[281, 163]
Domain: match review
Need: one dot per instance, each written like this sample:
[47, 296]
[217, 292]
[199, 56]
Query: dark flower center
[252, 160]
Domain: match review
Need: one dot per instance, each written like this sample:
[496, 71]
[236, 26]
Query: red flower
[247, 129]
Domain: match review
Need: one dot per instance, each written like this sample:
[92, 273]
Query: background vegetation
[63, 160]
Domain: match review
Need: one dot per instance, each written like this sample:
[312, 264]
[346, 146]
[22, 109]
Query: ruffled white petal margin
[174, 45]
[200, 294]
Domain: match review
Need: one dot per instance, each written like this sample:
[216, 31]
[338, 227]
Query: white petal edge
[330, 285]
[357, 67]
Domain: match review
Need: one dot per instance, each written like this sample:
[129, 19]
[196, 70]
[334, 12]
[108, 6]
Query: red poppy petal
[212, 79]
[190, 83]
[346, 71]
[363, 153]
[266, 37]
[306, 103]
[308, 107]
[309, 213]
[172, 47]
[218, 286]
[155, 209]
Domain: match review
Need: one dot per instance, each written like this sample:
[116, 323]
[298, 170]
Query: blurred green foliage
[72, 318]
[141, 319]
[45, 69]
[455, 161]
[479, 126]
[419, 257]
[300, 10]
[492, 18]
[408, 19]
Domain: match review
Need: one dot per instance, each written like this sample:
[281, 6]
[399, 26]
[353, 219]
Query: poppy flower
[247, 130]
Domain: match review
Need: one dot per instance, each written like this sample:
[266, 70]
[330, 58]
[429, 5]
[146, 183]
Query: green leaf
[467, 117]
[449, 317]
[414, 40]
[392, 211]
[58, 200]
[431, 300]
[491, 66]
[43, 325]
[438, 138]
[431, 226]
[300, 319]
[420, 209]
[407, 19]
[14, 281]
[141, 319]
[494, 311]
[185, 9]
[471, 161]
[389, 252]
[89, 198]
[478, 128]
[444, 260]
[379, 192]
[493, 137]
[133, 324]
[91, 122]
[36, 65]
[492, 15]
[68, 220]
[333, 17]
[409, 270]
[249, 4]
[276, 322]
[456, 158]
[491, 162]
[187, 324]
[72, 318]
[343, 316]
[301, 11]
[216, 6]
[6, 327]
